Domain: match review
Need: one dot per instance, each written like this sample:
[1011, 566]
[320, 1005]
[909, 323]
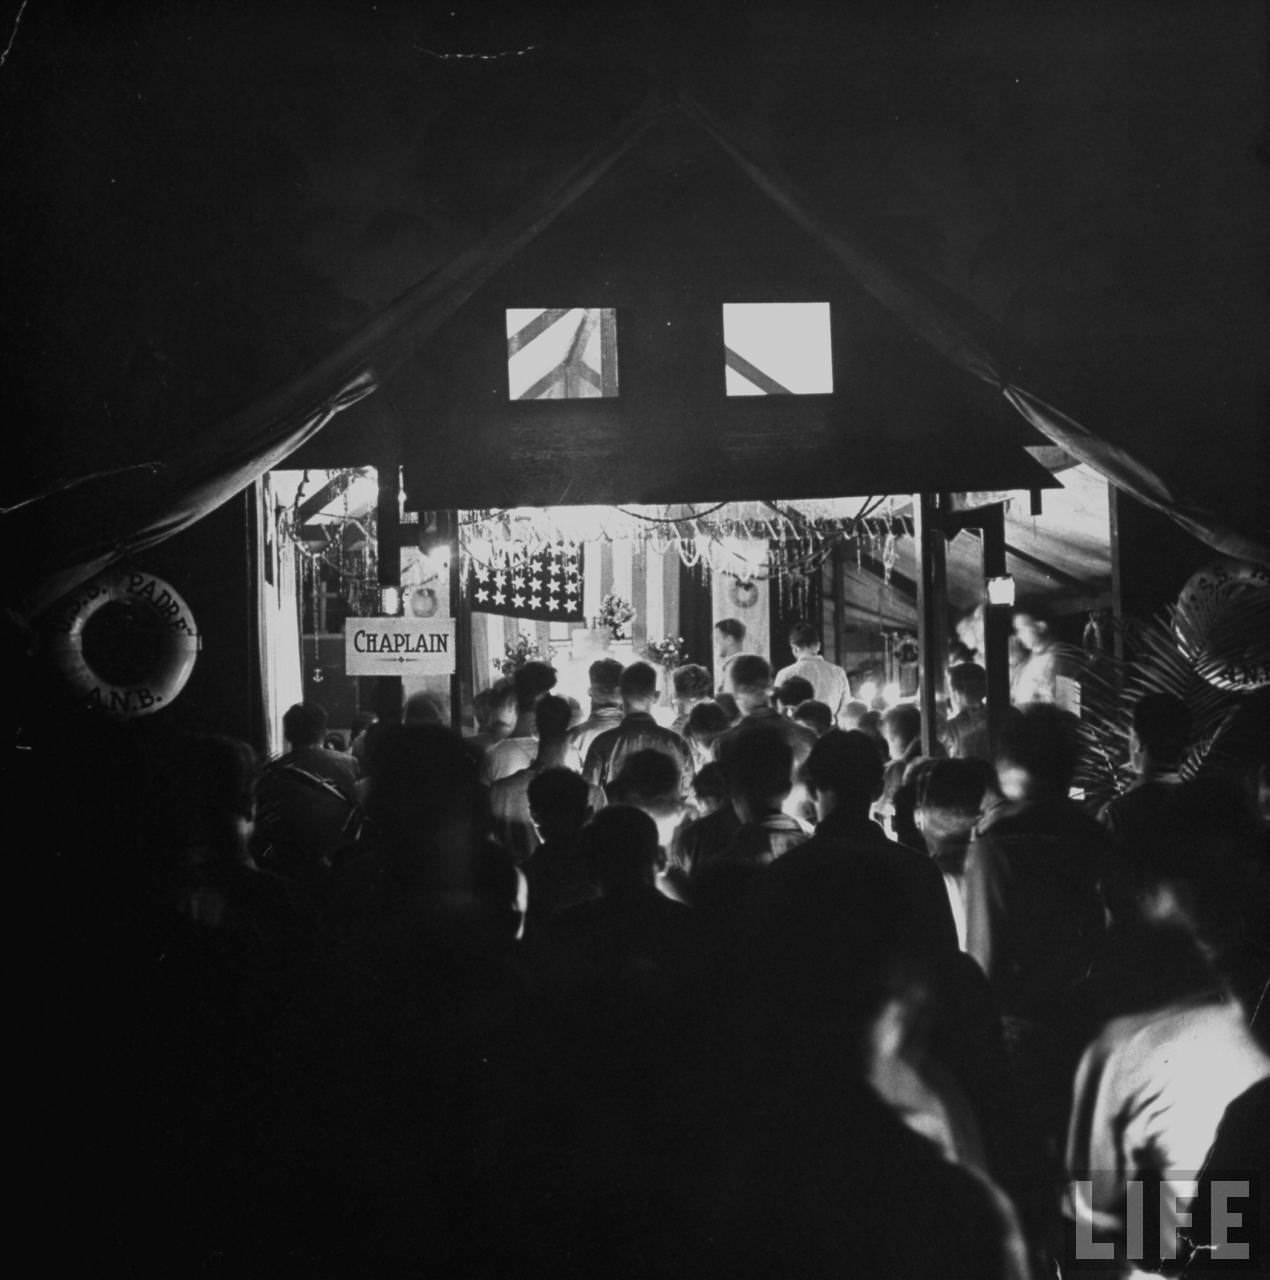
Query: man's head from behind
[559, 802]
[705, 723]
[817, 716]
[650, 780]
[757, 765]
[804, 640]
[638, 686]
[729, 636]
[1160, 732]
[305, 724]
[691, 683]
[901, 726]
[844, 771]
[553, 716]
[1038, 752]
[967, 686]
[622, 845]
[949, 800]
[495, 708]
[792, 691]
[605, 675]
[531, 681]
[750, 678]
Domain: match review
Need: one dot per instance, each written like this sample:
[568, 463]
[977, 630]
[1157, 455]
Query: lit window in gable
[777, 348]
[565, 353]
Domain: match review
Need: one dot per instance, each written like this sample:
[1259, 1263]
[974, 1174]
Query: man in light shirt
[828, 681]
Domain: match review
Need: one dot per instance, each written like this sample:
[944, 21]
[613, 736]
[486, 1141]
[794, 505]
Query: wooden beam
[752, 373]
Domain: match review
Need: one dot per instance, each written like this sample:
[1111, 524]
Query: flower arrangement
[526, 649]
[669, 652]
[615, 613]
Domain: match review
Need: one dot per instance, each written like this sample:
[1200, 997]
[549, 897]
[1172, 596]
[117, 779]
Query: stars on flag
[543, 585]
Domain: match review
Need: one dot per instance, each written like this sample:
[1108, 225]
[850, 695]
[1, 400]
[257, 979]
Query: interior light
[1001, 590]
[389, 602]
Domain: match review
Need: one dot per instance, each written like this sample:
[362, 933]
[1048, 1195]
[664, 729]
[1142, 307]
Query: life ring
[179, 646]
[1216, 624]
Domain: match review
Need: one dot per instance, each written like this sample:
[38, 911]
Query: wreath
[423, 602]
[743, 594]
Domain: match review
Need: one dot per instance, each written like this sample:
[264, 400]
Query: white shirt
[1150, 1093]
[829, 682]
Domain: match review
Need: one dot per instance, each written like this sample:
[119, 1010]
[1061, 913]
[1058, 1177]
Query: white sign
[399, 646]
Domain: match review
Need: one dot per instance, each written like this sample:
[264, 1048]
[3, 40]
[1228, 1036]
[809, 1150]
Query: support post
[997, 621]
[388, 696]
[461, 680]
[932, 606]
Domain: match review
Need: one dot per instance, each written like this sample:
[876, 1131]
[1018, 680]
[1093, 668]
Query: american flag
[545, 586]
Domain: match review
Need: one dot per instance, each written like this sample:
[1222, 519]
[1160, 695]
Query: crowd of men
[753, 990]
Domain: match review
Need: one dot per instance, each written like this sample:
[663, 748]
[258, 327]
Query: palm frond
[1210, 650]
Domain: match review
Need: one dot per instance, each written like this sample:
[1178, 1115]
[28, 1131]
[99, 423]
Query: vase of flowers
[615, 613]
[526, 649]
[668, 652]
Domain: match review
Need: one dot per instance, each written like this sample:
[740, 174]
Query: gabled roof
[84, 523]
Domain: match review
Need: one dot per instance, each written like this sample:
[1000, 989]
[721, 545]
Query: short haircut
[487, 702]
[1162, 722]
[950, 795]
[794, 690]
[970, 680]
[802, 635]
[904, 721]
[531, 681]
[847, 763]
[691, 681]
[816, 715]
[757, 763]
[709, 782]
[639, 680]
[622, 844]
[304, 724]
[733, 627]
[1043, 741]
[705, 722]
[750, 673]
[553, 715]
[650, 780]
[605, 674]
[559, 800]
